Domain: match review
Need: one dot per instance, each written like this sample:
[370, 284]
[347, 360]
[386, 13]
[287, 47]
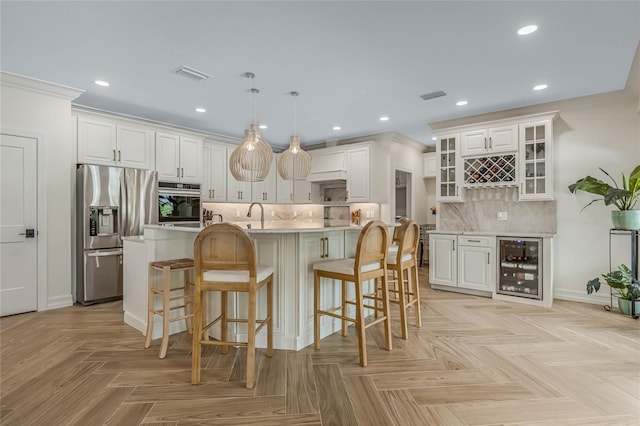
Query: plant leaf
[593, 285]
[591, 185]
[615, 195]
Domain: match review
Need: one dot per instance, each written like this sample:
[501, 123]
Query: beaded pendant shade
[251, 160]
[294, 163]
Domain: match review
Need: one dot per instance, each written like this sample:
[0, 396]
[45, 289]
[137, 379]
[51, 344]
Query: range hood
[325, 177]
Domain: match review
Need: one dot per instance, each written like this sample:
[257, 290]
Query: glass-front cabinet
[535, 161]
[448, 168]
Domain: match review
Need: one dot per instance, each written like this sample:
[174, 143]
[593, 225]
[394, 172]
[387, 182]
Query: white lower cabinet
[443, 259]
[462, 262]
[476, 266]
[317, 247]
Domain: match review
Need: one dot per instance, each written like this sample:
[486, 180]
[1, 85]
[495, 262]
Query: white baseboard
[582, 296]
[135, 322]
[57, 302]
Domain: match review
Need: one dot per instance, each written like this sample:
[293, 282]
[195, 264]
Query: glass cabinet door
[536, 181]
[447, 185]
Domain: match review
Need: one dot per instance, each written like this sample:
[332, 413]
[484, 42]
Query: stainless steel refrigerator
[111, 203]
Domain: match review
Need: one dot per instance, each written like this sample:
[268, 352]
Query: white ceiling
[351, 61]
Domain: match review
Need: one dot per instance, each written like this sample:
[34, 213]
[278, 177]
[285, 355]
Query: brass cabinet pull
[490, 142]
[114, 155]
[119, 156]
[213, 193]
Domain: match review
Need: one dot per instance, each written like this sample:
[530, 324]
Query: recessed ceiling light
[102, 83]
[384, 118]
[540, 87]
[434, 138]
[201, 110]
[461, 103]
[263, 126]
[527, 30]
[337, 128]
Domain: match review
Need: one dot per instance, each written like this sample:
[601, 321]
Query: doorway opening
[403, 194]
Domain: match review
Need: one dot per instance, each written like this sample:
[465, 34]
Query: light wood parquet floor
[475, 361]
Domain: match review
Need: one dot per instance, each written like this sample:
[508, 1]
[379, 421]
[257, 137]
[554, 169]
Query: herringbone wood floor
[475, 361]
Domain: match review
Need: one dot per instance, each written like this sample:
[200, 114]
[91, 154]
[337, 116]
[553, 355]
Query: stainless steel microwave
[179, 203]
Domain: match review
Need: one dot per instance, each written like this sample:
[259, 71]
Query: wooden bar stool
[168, 295]
[225, 261]
[402, 263]
[368, 264]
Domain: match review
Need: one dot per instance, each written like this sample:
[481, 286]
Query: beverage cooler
[520, 267]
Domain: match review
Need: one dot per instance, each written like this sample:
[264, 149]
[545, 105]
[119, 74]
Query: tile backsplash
[481, 207]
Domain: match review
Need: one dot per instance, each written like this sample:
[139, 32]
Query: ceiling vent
[191, 73]
[433, 95]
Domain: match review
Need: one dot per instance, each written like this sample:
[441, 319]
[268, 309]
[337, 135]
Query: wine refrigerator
[520, 267]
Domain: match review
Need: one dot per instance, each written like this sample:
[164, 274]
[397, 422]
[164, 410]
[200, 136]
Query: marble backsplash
[311, 214]
[480, 209]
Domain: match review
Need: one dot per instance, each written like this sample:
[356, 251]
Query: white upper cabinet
[448, 169]
[214, 172]
[536, 166]
[237, 191]
[178, 158]
[305, 192]
[106, 142]
[265, 191]
[489, 140]
[429, 164]
[368, 173]
[358, 185]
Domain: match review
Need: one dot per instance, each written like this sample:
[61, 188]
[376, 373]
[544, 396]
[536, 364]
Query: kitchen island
[291, 248]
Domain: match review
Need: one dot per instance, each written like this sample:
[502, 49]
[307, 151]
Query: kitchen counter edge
[498, 234]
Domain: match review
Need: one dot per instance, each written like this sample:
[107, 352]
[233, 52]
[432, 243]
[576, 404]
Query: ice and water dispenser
[103, 221]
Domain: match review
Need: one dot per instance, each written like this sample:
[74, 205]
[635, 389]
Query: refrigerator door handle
[105, 253]
[124, 214]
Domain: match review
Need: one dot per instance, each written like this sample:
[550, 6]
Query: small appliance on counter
[111, 202]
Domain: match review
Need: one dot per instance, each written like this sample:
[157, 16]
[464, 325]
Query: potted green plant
[623, 197]
[626, 286]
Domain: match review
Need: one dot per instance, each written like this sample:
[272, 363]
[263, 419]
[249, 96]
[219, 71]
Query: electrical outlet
[502, 215]
[310, 214]
[273, 213]
[237, 213]
[295, 214]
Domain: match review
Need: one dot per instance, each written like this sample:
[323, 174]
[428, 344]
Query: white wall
[601, 131]
[37, 107]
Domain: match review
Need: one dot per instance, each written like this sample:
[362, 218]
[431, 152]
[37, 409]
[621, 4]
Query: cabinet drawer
[476, 241]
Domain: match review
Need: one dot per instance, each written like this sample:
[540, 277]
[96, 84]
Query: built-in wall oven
[179, 204]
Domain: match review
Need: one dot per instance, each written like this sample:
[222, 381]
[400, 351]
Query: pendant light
[294, 163]
[251, 160]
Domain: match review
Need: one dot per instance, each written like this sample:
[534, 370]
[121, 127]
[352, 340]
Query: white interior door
[18, 220]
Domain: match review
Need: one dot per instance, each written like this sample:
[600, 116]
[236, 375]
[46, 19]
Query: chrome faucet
[261, 213]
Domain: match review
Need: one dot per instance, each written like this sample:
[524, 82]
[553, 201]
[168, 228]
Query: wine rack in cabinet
[497, 170]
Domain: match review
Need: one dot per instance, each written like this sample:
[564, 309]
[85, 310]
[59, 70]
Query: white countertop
[498, 234]
[270, 227]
